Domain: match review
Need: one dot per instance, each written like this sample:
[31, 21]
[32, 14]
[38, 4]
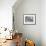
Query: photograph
[29, 18]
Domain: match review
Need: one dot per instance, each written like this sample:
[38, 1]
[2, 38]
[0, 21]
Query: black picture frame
[29, 19]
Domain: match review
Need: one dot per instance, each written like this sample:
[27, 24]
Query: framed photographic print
[30, 19]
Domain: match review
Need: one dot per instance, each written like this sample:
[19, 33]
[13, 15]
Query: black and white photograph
[30, 19]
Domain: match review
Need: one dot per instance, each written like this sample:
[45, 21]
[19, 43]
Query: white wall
[43, 22]
[30, 31]
[6, 13]
[36, 32]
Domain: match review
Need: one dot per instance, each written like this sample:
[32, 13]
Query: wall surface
[29, 31]
[43, 22]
